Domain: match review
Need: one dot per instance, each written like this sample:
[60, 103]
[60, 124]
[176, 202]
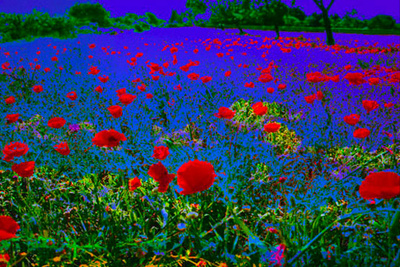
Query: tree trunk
[328, 29]
[277, 31]
[240, 29]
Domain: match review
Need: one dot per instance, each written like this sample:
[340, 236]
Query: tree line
[88, 17]
[241, 13]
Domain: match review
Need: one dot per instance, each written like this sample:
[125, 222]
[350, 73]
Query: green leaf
[253, 239]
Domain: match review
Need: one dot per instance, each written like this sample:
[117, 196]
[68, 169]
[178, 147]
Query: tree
[274, 11]
[175, 18]
[195, 7]
[325, 17]
[229, 12]
[327, 22]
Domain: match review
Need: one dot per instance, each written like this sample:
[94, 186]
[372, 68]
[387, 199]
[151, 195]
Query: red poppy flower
[56, 122]
[355, 78]
[24, 169]
[394, 78]
[134, 184]
[370, 105]
[47, 69]
[4, 258]
[388, 105]
[315, 77]
[37, 88]
[149, 96]
[335, 79]
[272, 127]
[154, 67]
[347, 67]
[184, 68]
[259, 109]
[137, 80]
[91, 46]
[361, 133]
[37, 67]
[196, 51]
[108, 138]
[10, 100]
[264, 78]
[310, 99]
[193, 76]
[249, 85]
[127, 98]
[228, 73]
[62, 148]
[14, 149]
[195, 176]
[104, 79]
[72, 95]
[94, 70]
[160, 152]
[384, 185]
[11, 118]
[121, 92]
[282, 86]
[373, 81]
[319, 95]
[142, 87]
[6, 66]
[270, 90]
[225, 113]
[8, 228]
[99, 89]
[175, 61]
[159, 173]
[352, 119]
[178, 87]
[173, 50]
[206, 79]
[220, 54]
[54, 58]
[116, 111]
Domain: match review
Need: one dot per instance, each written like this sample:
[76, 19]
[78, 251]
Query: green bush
[153, 20]
[86, 12]
[315, 20]
[381, 22]
[291, 21]
[17, 27]
[175, 18]
[297, 13]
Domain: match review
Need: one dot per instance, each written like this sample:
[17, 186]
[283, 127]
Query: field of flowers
[200, 147]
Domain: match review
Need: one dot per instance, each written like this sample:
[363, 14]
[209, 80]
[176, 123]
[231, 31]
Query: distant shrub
[175, 18]
[291, 21]
[381, 22]
[315, 20]
[38, 24]
[86, 12]
[153, 20]
[297, 13]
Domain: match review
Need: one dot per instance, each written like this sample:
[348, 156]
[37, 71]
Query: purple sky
[163, 8]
